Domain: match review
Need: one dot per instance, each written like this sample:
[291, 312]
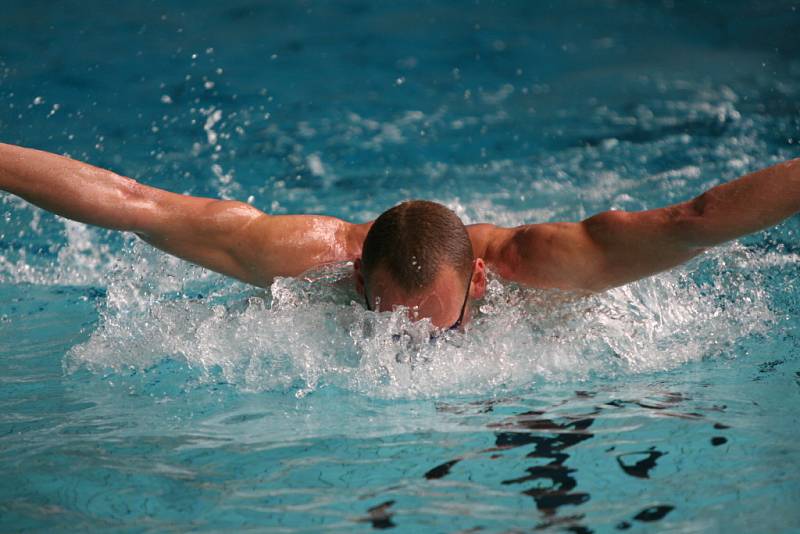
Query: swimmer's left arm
[616, 247]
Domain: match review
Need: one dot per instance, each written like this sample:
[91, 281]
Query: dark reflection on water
[550, 480]
[380, 516]
[562, 483]
[641, 468]
[441, 470]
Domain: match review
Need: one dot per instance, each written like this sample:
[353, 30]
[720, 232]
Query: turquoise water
[140, 393]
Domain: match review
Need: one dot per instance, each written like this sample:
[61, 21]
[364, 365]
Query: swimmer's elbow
[140, 208]
[692, 223]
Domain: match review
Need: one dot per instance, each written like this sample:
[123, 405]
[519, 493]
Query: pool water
[141, 393]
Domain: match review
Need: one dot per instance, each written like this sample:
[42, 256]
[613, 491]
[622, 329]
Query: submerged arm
[229, 237]
[616, 247]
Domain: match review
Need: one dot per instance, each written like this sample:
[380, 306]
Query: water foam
[312, 332]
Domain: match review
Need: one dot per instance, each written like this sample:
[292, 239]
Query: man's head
[418, 254]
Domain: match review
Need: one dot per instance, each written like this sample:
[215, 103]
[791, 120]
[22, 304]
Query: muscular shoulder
[536, 255]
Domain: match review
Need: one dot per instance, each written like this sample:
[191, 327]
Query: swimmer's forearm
[72, 189]
[746, 205]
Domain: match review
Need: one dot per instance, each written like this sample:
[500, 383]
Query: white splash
[309, 333]
[213, 116]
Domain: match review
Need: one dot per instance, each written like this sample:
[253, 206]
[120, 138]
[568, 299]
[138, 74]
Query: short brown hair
[413, 240]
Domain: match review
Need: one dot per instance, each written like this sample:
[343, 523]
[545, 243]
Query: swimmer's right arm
[226, 236]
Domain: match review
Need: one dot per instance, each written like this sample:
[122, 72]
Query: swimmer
[417, 254]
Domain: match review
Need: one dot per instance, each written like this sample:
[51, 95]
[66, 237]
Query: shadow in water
[550, 480]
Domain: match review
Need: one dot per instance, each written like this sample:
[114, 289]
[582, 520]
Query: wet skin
[442, 302]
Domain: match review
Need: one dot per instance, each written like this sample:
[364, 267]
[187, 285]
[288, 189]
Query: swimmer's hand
[229, 237]
[616, 247]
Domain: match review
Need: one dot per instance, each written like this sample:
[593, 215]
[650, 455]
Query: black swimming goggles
[455, 325]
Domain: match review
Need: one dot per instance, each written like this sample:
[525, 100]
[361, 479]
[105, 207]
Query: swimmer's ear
[358, 276]
[477, 288]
